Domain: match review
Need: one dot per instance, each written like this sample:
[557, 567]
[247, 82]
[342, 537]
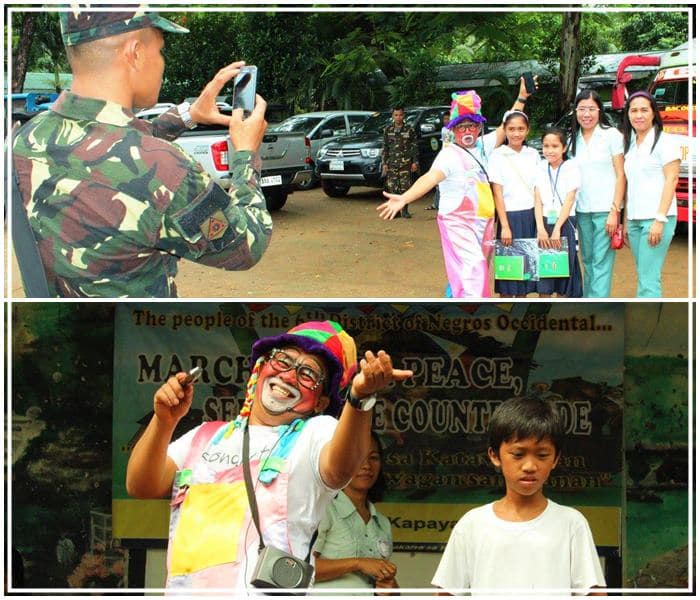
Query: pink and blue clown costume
[466, 214]
[212, 539]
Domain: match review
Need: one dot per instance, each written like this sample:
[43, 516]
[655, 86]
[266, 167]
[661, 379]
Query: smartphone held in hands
[244, 89]
[530, 84]
[192, 376]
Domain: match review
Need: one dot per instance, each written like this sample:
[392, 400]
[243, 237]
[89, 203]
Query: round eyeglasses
[468, 126]
[307, 376]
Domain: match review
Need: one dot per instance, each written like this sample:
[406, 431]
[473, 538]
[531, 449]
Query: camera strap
[250, 492]
[247, 477]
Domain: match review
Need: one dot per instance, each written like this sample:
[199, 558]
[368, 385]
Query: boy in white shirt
[522, 541]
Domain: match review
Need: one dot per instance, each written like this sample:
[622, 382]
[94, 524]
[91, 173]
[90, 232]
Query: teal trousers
[649, 260]
[596, 255]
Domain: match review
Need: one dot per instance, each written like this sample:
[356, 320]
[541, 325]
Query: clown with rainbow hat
[300, 454]
[466, 212]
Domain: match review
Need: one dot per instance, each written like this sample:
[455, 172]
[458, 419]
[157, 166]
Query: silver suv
[322, 127]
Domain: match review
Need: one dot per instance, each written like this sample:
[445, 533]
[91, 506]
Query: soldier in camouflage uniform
[113, 204]
[399, 156]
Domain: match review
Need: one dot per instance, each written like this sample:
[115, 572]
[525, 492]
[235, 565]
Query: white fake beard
[467, 140]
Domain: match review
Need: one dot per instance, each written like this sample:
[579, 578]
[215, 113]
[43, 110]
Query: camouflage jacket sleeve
[204, 223]
[168, 126]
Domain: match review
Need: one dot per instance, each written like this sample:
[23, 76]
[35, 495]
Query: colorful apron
[210, 525]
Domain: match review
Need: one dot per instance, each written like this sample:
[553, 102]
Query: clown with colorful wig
[466, 212]
[300, 454]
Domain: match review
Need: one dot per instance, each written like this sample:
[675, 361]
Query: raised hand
[376, 372]
[204, 108]
[172, 400]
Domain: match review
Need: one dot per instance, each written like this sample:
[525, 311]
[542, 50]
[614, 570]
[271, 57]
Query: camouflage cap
[78, 27]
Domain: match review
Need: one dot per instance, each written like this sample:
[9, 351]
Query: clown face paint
[279, 392]
[467, 133]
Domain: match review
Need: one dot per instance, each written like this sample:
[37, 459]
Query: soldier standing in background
[113, 205]
[399, 156]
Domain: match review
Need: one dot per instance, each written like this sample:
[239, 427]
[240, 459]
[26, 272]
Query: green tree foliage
[417, 84]
[42, 47]
[191, 61]
[406, 47]
[281, 45]
[654, 30]
[364, 59]
[285, 49]
[537, 36]
[48, 51]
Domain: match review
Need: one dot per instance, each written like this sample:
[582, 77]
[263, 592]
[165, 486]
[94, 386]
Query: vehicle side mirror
[326, 133]
[427, 128]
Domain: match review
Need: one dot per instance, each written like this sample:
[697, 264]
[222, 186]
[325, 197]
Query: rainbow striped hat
[465, 105]
[326, 339]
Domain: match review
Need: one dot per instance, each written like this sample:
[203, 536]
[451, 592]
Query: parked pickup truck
[286, 165]
[286, 160]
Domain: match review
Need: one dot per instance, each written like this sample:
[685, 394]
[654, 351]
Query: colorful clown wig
[465, 106]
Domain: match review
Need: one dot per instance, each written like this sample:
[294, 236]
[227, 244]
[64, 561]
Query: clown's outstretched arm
[151, 471]
[350, 444]
[395, 202]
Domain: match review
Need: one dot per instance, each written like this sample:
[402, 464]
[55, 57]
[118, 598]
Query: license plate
[336, 165]
[271, 180]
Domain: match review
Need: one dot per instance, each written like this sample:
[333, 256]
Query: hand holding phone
[244, 89]
[530, 85]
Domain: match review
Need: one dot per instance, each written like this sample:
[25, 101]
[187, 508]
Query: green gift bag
[554, 263]
[509, 267]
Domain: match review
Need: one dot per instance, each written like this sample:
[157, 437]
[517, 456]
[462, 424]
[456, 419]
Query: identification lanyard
[553, 184]
[553, 214]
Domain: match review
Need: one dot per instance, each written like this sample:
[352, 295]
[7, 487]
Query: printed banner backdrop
[466, 360]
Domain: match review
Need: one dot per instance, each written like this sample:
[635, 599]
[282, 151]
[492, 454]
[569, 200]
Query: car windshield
[671, 92]
[305, 124]
[378, 121]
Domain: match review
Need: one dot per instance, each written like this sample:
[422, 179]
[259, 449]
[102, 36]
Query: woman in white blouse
[652, 163]
[597, 150]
